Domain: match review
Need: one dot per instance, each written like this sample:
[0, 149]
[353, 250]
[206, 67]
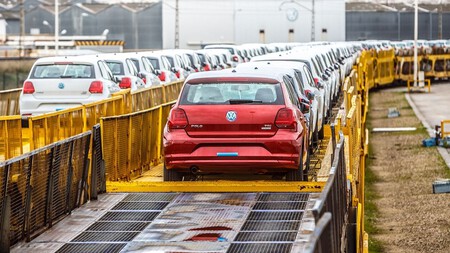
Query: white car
[145, 69]
[57, 83]
[236, 54]
[124, 70]
[161, 65]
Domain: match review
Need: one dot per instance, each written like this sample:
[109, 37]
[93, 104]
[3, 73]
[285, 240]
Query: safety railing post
[49, 202]
[5, 214]
[27, 222]
[84, 179]
[69, 179]
[158, 139]
[333, 140]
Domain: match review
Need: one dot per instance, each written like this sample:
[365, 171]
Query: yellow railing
[132, 143]
[10, 137]
[9, 102]
[445, 131]
[52, 127]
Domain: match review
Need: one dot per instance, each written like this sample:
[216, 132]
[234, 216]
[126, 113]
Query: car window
[148, 66]
[171, 61]
[231, 93]
[166, 63]
[63, 70]
[116, 67]
[300, 80]
[293, 96]
[105, 71]
[136, 64]
[154, 62]
[308, 76]
[132, 67]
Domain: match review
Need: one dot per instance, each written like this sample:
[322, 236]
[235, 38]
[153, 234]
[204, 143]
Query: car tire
[171, 175]
[296, 175]
[321, 132]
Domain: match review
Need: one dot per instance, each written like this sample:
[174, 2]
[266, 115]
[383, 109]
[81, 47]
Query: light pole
[416, 34]
[56, 27]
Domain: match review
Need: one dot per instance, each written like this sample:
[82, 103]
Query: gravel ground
[411, 218]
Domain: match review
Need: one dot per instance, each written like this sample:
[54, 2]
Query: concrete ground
[431, 108]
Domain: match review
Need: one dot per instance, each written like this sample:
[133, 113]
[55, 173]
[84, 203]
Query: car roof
[235, 73]
[80, 59]
[272, 66]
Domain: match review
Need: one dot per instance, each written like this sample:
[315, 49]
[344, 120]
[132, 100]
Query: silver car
[57, 83]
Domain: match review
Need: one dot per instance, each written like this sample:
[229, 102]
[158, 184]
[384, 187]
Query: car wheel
[171, 175]
[321, 132]
[296, 175]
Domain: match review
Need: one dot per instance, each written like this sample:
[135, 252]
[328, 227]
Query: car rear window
[232, 93]
[154, 62]
[115, 67]
[63, 70]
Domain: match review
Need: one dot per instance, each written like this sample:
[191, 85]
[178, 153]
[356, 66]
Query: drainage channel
[192, 222]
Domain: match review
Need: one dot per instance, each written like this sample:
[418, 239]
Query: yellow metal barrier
[52, 127]
[10, 137]
[385, 67]
[9, 102]
[409, 87]
[104, 108]
[132, 143]
[445, 131]
[147, 98]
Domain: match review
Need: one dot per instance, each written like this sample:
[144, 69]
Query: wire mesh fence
[41, 187]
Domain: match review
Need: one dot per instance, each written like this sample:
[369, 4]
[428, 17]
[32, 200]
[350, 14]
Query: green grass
[370, 209]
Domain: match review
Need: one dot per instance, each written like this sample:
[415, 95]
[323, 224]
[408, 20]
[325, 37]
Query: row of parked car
[260, 117]
[57, 83]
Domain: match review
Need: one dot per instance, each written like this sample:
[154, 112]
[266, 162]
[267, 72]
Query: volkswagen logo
[61, 86]
[231, 116]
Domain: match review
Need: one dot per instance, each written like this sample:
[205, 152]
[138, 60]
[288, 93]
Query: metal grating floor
[90, 236]
[141, 206]
[271, 226]
[129, 216]
[113, 226]
[91, 247]
[276, 216]
[259, 247]
[196, 222]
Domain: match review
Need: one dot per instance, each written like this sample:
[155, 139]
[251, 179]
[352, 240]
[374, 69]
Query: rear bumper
[237, 155]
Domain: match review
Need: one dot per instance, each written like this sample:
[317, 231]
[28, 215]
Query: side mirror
[304, 107]
[157, 72]
[173, 69]
[336, 66]
[310, 96]
[141, 75]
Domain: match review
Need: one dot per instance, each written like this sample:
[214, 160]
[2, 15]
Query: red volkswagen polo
[236, 122]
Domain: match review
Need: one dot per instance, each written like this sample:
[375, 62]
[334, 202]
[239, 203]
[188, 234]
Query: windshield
[231, 93]
[63, 70]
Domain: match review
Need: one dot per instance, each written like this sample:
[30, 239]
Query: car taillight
[316, 81]
[178, 74]
[285, 119]
[162, 76]
[125, 83]
[96, 87]
[177, 119]
[235, 58]
[144, 80]
[28, 88]
[307, 93]
[207, 67]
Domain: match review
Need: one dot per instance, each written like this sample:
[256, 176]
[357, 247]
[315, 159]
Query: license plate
[227, 154]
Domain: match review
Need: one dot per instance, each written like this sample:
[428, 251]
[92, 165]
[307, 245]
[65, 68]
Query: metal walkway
[183, 222]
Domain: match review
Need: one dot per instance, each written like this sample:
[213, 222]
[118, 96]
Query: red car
[232, 122]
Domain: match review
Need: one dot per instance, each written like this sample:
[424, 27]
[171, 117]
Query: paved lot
[431, 108]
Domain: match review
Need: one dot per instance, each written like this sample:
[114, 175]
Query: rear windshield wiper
[67, 76]
[243, 101]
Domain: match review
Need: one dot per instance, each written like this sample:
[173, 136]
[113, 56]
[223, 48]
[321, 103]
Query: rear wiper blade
[67, 76]
[243, 101]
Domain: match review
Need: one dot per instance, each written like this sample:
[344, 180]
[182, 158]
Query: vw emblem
[61, 85]
[231, 116]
